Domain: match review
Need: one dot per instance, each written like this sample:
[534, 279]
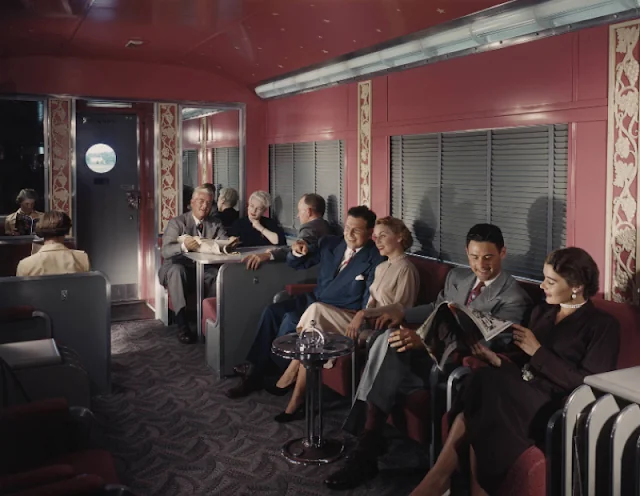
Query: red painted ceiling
[245, 40]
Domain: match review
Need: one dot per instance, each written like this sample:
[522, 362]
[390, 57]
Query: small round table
[313, 448]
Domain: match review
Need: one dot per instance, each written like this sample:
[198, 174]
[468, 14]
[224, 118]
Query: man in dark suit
[346, 270]
[313, 227]
[398, 363]
[178, 271]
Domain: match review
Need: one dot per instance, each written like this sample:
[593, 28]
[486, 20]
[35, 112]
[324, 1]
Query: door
[108, 198]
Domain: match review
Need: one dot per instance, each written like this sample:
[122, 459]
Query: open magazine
[214, 246]
[452, 326]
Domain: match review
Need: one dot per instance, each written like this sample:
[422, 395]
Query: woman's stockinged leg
[289, 376]
[437, 480]
[297, 397]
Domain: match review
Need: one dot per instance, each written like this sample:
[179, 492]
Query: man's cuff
[271, 257]
[296, 254]
[183, 248]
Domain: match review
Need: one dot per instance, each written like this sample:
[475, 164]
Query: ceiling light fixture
[517, 21]
[106, 104]
[133, 43]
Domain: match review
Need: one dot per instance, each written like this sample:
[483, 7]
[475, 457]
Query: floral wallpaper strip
[168, 153]
[622, 175]
[364, 143]
[61, 155]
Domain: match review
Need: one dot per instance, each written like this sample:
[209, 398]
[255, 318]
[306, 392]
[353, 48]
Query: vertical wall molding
[364, 143]
[169, 157]
[205, 177]
[621, 250]
[61, 142]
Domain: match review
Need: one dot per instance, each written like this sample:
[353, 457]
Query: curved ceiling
[245, 40]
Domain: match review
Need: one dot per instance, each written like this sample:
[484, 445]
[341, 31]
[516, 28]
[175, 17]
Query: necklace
[572, 305]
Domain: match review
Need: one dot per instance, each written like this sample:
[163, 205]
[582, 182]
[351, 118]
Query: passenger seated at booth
[54, 257]
[346, 268]
[255, 229]
[212, 189]
[504, 408]
[398, 362]
[24, 220]
[312, 227]
[396, 282]
[177, 271]
[227, 201]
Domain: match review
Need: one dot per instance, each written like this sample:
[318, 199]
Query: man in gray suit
[177, 270]
[398, 362]
[311, 208]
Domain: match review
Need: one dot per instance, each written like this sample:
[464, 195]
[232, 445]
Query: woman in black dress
[504, 408]
[255, 229]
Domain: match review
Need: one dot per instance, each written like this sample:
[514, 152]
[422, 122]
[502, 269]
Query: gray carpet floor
[172, 430]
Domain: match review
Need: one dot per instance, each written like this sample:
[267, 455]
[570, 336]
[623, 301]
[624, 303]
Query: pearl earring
[574, 295]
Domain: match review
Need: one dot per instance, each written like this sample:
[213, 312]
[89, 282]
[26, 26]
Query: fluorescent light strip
[504, 26]
[100, 104]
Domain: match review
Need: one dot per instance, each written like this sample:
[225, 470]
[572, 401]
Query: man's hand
[391, 318]
[353, 329]
[300, 247]
[254, 261]
[524, 339]
[485, 354]
[190, 243]
[405, 340]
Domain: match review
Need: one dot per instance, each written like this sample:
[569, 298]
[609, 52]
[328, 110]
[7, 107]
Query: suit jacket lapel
[463, 288]
[190, 225]
[493, 290]
[356, 266]
[338, 255]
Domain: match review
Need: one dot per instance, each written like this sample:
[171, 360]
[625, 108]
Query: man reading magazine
[399, 363]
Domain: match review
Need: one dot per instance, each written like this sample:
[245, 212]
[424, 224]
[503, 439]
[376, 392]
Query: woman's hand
[485, 354]
[256, 225]
[353, 329]
[524, 339]
[405, 340]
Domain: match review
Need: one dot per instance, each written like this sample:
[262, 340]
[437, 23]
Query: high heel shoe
[285, 417]
[273, 389]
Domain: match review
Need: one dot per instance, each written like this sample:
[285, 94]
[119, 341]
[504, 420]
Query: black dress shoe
[284, 417]
[358, 469]
[247, 385]
[187, 336]
[273, 389]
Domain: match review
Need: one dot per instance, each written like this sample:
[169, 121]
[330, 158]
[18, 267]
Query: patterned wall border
[60, 112]
[168, 126]
[623, 149]
[364, 143]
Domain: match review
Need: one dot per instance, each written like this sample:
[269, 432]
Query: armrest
[298, 289]
[553, 453]
[371, 338]
[281, 296]
[37, 477]
[36, 411]
[79, 485]
[15, 314]
[453, 380]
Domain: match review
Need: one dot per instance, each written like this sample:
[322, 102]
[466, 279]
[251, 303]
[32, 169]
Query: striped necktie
[200, 228]
[475, 292]
[346, 260]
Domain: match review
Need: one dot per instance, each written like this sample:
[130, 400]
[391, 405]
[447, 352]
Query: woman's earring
[574, 295]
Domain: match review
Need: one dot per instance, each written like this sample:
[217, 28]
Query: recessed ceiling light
[301, 46]
[440, 11]
[133, 43]
[218, 67]
[379, 30]
[319, 37]
[274, 13]
[398, 10]
[281, 29]
[326, 20]
[354, 41]
[259, 48]
[281, 66]
[237, 48]
[325, 51]
[253, 73]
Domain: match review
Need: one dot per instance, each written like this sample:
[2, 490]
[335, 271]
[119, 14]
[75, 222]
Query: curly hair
[399, 229]
[576, 267]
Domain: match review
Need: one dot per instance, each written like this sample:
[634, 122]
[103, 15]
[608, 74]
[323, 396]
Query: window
[226, 167]
[100, 158]
[311, 167]
[442, 184]
[190, 168]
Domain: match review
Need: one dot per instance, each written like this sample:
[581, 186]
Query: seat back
[79, 306]
[241, 297]
[629, 318]
[11, 252]
[433, 275]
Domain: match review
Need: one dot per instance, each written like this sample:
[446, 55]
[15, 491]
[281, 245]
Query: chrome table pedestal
[313, 448]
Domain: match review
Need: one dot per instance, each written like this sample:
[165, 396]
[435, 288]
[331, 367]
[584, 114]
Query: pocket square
[360, 278]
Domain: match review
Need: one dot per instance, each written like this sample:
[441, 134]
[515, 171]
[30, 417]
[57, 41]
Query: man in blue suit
[346, 269]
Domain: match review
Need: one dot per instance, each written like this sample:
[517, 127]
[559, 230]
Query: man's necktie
[200, 228]
[475, 292]
[346, 261]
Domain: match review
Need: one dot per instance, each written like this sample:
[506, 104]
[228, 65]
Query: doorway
[108, 198]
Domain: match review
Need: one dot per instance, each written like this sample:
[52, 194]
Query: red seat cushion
[94, 462]
[432, 278]
[527, 476]
[209, 311]
[629, 318]
[338, 377]
[412, 416]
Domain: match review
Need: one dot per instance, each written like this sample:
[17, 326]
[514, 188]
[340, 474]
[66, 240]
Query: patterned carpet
[173, 432]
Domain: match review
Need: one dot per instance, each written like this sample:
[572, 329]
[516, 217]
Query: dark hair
[576, 267]
[53, 225]
[27, 194]
[315, 203]
[486, 233]
[363, 212]
[399, 228]
[210, 187]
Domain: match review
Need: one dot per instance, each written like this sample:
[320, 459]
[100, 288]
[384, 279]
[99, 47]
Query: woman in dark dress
[504, 408]
[256, 230]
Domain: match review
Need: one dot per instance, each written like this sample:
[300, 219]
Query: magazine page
[488, 325]
[439, 333]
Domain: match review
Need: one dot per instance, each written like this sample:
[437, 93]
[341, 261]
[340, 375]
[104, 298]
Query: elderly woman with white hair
[255, 229]
[227, 200]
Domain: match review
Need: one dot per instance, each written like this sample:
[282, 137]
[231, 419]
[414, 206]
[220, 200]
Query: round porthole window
[100, 158]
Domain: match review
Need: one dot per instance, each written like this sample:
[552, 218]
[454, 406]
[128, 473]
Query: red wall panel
[223, 129]
[191, 134]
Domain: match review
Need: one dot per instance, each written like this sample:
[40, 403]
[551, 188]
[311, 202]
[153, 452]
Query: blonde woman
[395, 281]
